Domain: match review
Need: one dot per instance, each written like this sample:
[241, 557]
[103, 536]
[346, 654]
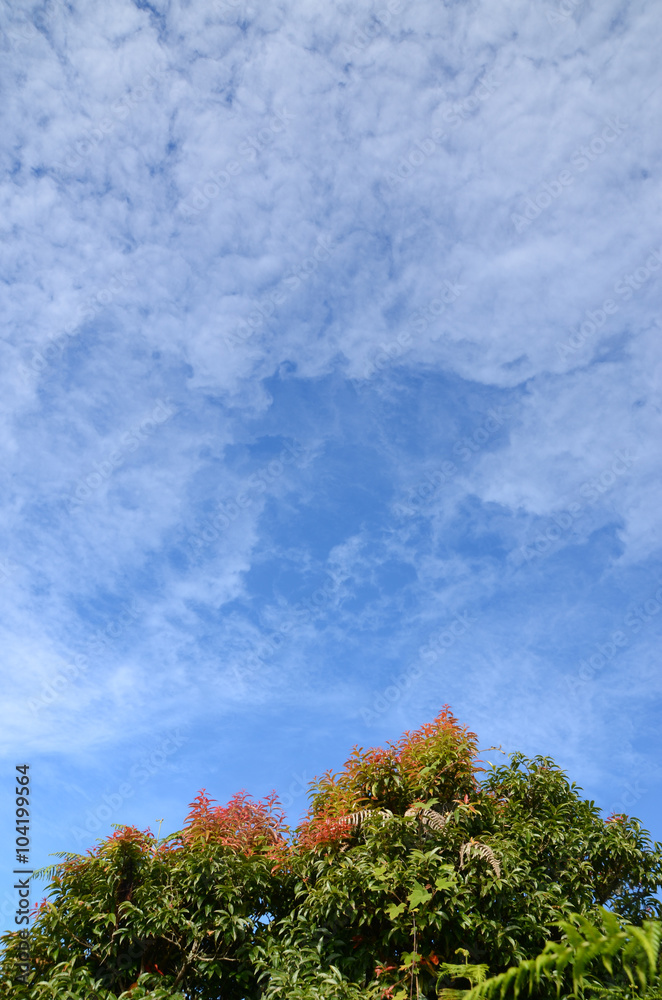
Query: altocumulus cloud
[237, 238]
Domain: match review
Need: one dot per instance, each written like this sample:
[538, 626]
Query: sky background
[329, 395]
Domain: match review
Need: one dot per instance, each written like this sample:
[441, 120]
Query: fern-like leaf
[356, 818]
[584, 942]
[51, 870]
[483, 851]
[430, 818]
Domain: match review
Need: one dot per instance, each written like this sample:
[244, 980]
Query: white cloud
[169, 175]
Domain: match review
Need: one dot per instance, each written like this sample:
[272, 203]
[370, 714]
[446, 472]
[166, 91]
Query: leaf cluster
[411, 855]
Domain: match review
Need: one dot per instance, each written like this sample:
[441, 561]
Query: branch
[187, 962]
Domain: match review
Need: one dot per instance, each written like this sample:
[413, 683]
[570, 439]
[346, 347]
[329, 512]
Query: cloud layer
[330, 393]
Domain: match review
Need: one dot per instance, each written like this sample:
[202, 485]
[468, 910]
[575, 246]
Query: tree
[412, 854]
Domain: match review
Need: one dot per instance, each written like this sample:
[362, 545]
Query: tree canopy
[418, 869]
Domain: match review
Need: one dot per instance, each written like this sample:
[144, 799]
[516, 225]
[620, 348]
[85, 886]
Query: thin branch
[187, 961]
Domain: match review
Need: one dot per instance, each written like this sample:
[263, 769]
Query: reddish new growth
[243, 824]
[126, 841]
[142, 841]
[442, 742]
[322, 829]
[39, 908]
[435, 762]
[132, 835]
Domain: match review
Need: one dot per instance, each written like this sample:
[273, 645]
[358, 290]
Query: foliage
[433, 765]
[245, 826]
[410, 855]
[141, 916]
[628, 954]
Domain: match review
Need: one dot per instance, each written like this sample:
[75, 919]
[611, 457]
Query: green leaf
[418, 896]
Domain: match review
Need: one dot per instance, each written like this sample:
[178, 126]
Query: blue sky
[330, 394]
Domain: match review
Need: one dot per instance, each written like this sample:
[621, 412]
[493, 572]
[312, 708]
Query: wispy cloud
[323, 327]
